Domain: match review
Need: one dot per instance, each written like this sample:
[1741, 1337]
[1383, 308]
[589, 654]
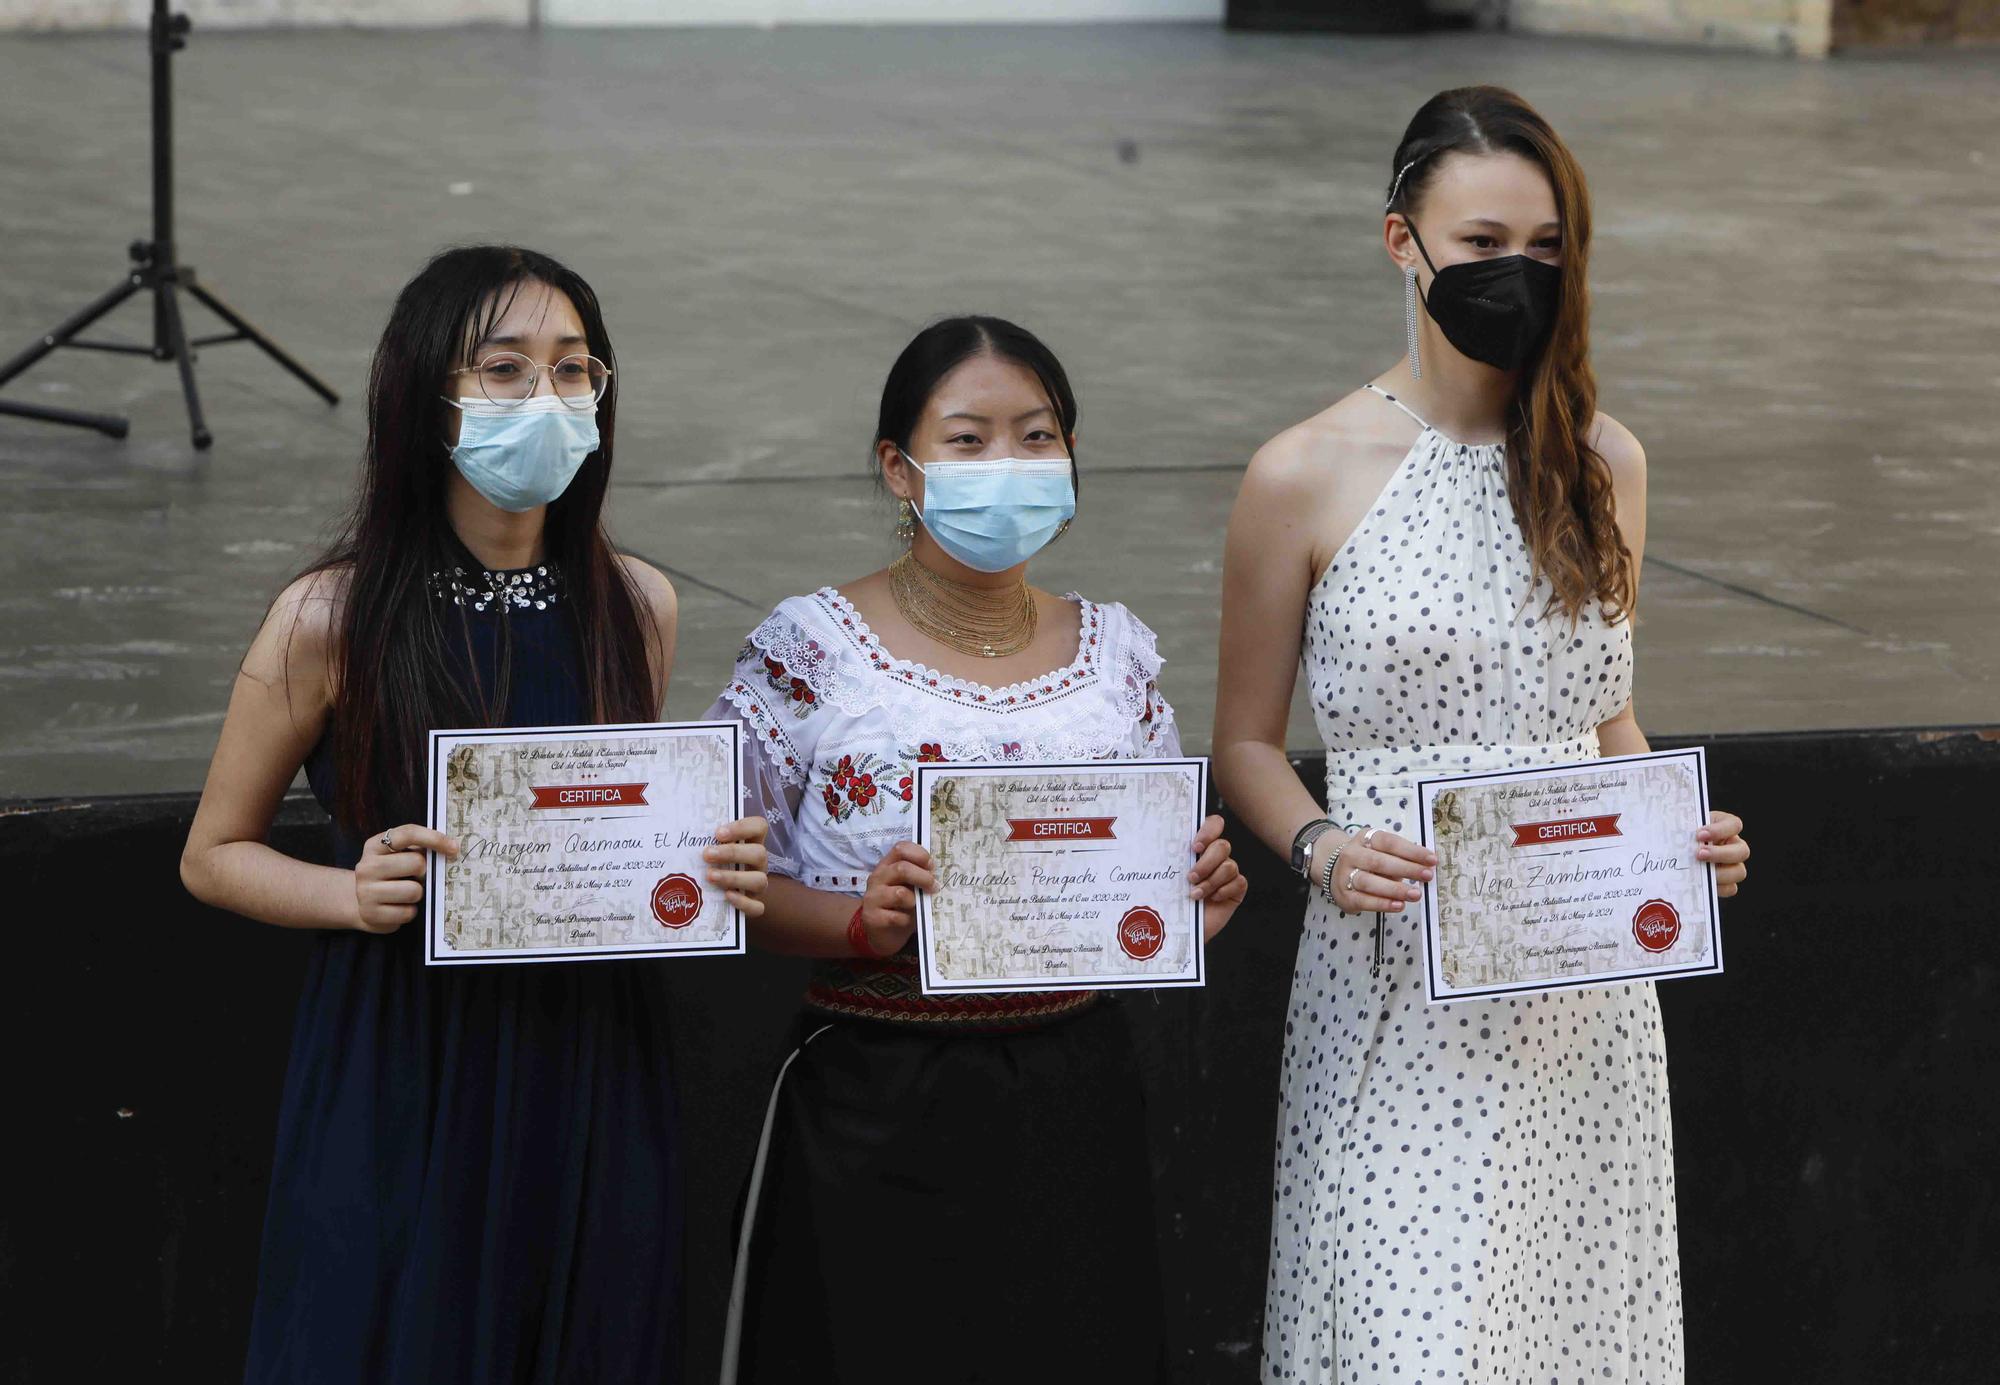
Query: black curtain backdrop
[1834, 1092]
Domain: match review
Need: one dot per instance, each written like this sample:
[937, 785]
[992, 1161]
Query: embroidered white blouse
[839, 723]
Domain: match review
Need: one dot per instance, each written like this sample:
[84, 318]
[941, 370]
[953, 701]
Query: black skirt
[954, 1207]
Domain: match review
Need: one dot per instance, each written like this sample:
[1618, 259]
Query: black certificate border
[1432, 979]
[441, 740]
[924, 772]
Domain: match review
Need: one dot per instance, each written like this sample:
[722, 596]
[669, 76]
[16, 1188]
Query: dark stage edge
[1833, 1093]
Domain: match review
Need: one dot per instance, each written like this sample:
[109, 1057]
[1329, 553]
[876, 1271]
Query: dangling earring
[1410, 319]
[906, 521]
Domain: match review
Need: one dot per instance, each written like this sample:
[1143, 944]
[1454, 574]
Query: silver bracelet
[1326, 881]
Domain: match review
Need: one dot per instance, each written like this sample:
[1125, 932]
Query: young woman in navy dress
[477, 1169]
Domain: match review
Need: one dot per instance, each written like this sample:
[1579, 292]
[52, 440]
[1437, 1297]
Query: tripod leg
[108, 424]
[176, 333]
[69, 327]
[270, 348]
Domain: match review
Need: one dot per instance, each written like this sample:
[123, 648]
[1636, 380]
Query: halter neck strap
[1420, 420]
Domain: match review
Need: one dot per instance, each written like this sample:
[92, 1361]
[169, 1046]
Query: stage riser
[1835, 1108]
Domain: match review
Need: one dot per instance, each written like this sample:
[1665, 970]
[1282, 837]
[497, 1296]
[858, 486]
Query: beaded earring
[906, 521]
[1409, 274]
[1410, 319]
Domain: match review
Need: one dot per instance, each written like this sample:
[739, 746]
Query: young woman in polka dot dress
[1483, 1192]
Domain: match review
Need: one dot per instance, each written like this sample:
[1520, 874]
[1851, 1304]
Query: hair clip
[1397, 186]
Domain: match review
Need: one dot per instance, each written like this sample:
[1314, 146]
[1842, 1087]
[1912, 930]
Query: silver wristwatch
[1302, 846]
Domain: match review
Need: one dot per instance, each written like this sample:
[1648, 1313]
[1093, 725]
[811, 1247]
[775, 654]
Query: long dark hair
[1561, 486]
[393, 680]
[947, 344]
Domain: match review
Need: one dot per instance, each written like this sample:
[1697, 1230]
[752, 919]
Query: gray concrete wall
[59, 15]
[55, 15]
[767, 12]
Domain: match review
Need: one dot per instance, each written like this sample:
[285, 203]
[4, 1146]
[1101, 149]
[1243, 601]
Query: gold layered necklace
[973, 620]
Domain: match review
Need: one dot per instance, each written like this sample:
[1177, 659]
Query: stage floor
[1795, 282]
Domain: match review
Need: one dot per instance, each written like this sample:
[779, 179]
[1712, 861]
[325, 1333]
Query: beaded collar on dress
[512, 589]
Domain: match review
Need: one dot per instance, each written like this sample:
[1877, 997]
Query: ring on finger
[387, 845]
[1368, 837]
[1351, 877]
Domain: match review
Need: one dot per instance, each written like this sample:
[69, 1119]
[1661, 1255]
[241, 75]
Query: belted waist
[1368, 770]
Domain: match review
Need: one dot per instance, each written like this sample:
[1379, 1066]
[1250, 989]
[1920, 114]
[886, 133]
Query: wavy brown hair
[1560, 485]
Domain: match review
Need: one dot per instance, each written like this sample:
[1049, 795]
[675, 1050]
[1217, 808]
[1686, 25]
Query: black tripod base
[111, 425]
[166, 281]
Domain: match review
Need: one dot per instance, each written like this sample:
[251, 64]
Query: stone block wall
[1801, 27]
[1874, 23]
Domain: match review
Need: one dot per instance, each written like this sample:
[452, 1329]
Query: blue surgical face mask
[524, 455]
[993, 515]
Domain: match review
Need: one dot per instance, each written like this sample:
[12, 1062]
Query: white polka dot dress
[1482, 1191]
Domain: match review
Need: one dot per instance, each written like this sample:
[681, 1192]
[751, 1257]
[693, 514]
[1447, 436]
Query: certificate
[1568, 875]
[1059, 877]
[580, 842]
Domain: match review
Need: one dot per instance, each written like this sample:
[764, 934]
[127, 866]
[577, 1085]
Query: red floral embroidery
[797, 695]
[1155, 704]
[923, 753]
[854, 784]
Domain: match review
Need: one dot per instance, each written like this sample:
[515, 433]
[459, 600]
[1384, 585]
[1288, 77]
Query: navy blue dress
[477, 1176]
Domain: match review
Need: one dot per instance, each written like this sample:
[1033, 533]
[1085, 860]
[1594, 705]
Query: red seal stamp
[1142, 933]
[1657, 925]
[676, 901]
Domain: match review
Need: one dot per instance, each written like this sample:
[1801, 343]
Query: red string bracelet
[857, 937]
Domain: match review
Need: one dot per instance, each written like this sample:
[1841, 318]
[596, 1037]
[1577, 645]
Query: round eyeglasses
[507, 378]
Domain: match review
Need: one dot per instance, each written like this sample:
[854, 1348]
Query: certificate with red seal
[1568, 875]
[581, 842]
[1060, 877]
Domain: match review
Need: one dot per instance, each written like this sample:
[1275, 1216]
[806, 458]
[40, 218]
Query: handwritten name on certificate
[580, 842]
[1568, 875]
[1060, 877]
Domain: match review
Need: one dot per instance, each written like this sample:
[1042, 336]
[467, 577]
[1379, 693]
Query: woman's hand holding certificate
[1573, 875]
[388, 879]
[887, 914]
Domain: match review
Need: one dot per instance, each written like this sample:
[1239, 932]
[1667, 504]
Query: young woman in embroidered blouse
[974, 1165]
